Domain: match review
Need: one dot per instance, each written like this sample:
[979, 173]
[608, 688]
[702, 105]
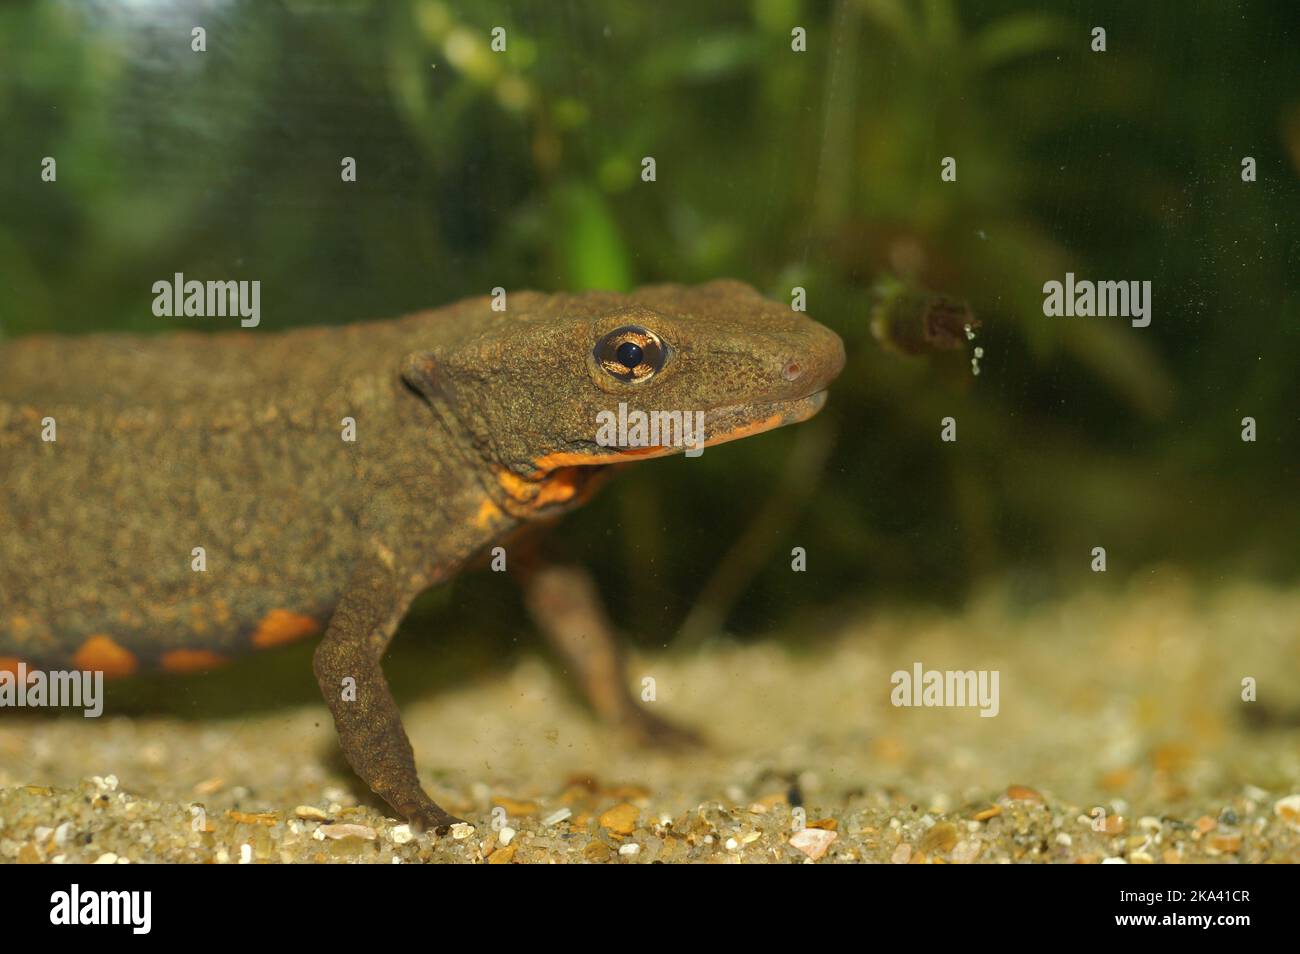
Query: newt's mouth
[721, 425]
[565, 478]
[743, 420]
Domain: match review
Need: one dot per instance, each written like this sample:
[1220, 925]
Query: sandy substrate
[1121, 736]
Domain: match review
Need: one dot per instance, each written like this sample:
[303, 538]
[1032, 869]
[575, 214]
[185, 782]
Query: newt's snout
[794, 381]
[797, 365]
[814, 366]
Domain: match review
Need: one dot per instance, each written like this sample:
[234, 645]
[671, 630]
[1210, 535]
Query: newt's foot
[652, 731]
[433, 819]
[422, 812]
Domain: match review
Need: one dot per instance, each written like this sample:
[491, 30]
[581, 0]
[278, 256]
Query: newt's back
[171, 500]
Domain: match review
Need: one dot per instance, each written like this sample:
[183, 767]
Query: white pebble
[556, 817]
[506, 835]
[107, 858]
[813, 842]
[1288, 809]
[630, 850]
[966, 851]
[461, 830]
[341, 831]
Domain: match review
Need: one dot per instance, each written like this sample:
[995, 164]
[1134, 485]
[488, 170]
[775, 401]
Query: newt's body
[468, 424]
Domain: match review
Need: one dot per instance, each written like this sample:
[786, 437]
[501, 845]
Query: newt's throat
[549, 487]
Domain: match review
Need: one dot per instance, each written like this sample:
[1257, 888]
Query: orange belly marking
[101, 653]
[191, 660]
[280, 626]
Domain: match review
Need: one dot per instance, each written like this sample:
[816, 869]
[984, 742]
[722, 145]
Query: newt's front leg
[564, 603]
[347, 665]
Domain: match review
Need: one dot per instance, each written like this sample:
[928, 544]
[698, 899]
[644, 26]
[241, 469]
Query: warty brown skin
[470, 424]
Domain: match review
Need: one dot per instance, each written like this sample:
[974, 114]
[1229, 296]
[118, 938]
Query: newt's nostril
[791, 371]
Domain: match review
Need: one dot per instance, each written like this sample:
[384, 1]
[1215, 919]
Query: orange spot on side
[101, 653]
[280, 626]
[9, 664]
[191, 660]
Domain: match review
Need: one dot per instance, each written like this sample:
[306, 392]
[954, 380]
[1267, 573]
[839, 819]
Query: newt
[171, 501]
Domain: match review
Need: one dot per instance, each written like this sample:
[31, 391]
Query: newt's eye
[631, 353]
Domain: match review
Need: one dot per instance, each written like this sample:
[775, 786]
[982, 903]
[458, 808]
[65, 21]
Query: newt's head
[556, 388]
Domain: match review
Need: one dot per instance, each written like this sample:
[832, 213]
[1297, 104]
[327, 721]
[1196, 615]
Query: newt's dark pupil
[629, 354]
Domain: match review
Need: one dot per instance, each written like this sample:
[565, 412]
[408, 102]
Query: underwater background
[818, 169]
